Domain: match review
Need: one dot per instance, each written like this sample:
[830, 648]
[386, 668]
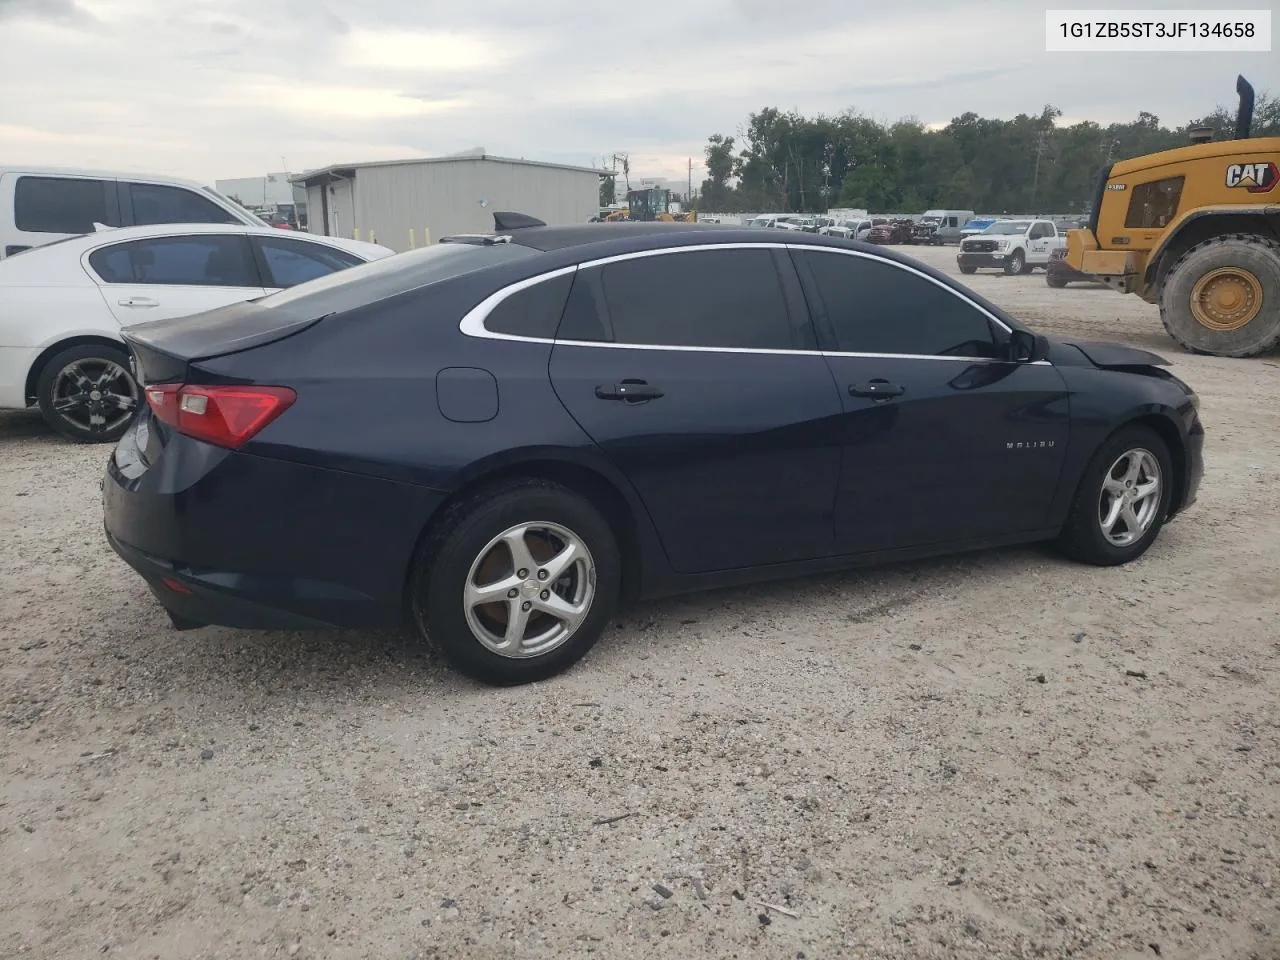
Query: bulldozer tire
[1222, 296]
[1056, 282]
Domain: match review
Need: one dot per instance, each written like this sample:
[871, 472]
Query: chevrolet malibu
[500, 437]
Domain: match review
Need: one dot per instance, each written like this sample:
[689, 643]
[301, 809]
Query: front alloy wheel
[1122, 500]
[1130, 497]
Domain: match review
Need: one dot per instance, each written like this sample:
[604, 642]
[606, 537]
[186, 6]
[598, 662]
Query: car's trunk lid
[163, 349]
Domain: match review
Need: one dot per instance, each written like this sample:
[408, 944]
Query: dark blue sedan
[500, 437]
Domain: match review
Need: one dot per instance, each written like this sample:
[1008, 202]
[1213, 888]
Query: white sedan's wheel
[87, 394]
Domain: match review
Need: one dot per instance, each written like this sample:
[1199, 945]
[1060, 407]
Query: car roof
[114, 234]
[40, 170]
[76, 246]
[596, 240]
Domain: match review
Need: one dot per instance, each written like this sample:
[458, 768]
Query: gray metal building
[405, 203]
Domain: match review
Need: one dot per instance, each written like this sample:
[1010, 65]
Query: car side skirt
[666, 583]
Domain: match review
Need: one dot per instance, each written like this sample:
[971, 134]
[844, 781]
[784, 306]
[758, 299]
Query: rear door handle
[138, 302]
[628, 391]
[876, 389]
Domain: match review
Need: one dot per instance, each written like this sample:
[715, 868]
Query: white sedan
[62, 306]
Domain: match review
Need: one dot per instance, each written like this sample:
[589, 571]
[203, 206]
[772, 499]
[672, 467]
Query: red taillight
[227, 416]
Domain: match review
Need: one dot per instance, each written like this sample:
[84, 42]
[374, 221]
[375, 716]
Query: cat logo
[1258, 177]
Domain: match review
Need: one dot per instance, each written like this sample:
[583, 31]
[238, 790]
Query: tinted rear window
[60, 205]
[391, 276]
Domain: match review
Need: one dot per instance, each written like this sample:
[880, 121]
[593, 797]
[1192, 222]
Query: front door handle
[628, 391]
[138, 302]
[876, 389]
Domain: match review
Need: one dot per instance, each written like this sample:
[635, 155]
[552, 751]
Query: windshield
[380, 279]
[1008, 228]
[977, 224]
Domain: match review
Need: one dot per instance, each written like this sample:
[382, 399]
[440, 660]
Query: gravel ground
[1001, 754]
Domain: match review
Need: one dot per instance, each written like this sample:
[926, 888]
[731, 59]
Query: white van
[940, 226]
[39, 205]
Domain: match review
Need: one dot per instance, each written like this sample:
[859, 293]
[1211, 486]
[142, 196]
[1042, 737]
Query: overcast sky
[222, 89]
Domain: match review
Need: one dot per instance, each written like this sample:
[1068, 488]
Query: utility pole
[626, 167]
[1035, 180]
[688, 197]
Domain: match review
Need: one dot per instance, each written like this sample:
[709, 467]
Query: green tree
[716, 193]
[608, 190]
[1028, 164]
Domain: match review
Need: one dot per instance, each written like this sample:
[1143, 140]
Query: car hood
[1103, 354]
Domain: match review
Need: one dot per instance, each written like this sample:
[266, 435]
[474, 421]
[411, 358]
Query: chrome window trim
[472, 323]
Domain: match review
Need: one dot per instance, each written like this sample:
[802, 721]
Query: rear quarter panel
[33, 318]
[367, 403]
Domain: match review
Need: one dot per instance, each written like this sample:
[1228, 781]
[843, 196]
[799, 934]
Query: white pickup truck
[1014, 246]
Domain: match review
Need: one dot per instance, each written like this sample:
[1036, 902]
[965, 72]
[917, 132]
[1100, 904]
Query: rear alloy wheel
[87, 394]
[1014, 264]
[1222, 297]
[519, 583]
[1122, 500]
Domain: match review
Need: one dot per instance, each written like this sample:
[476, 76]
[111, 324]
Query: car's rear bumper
[241, 540]
[980, 259]
[196, 598]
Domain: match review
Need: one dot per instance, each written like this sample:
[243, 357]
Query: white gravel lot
[938, 759]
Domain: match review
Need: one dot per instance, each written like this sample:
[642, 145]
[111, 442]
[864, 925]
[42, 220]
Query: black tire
[1015, 264]
[77, 424]
[446, 559]
[968, 270]
[1054, 281]
[1082, 536]
[1258, 255]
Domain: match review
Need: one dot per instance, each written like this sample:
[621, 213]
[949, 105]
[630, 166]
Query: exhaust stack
[1244, 117]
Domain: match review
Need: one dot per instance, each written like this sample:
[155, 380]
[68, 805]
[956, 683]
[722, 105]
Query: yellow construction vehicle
[649, 204]
[1195, 229]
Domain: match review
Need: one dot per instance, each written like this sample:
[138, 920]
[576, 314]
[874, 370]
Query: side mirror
[1026, 347]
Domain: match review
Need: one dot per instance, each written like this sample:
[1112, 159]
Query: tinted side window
[216, 261]
[153, 203]
[876, 307]
[291, 262]
[1154, 204]
[532, 312]
[709, 298]
[60, 204]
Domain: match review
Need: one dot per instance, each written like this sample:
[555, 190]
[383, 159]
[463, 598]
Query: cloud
[228, 87]
[67, 11]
